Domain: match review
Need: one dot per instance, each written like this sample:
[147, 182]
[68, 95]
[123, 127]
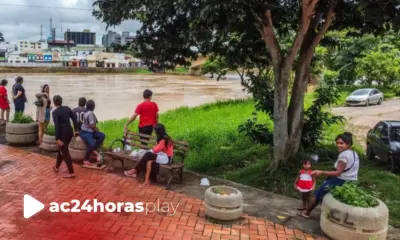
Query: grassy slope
[218, 149]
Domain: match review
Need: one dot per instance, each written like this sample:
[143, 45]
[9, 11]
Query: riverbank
[218, 149]
[76, 70]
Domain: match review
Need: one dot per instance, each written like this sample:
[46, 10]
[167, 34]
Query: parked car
[364, 97]
[383, 143]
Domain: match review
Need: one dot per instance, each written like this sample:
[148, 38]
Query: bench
[143, 141]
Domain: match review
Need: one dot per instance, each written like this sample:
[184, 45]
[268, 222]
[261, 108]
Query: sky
[23, 22]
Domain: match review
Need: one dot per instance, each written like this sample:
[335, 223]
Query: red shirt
[160, 147]
[147, 111]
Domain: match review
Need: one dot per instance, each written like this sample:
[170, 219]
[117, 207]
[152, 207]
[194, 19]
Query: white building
[8, 47]
[17, 57]
[113, 37]
[30, 45]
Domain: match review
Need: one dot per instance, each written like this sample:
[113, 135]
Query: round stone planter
[342, 221]
[22, 133]
[77, 149]
[49, 143]
[226, 207]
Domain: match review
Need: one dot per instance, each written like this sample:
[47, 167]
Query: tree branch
[270, 40]
[306, 16]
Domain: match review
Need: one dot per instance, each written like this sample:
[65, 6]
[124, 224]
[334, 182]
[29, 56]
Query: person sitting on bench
[162, 153]
[90, 134]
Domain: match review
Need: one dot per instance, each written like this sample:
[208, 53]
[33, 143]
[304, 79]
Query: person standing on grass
[346, 166]
[162, 153]
[4, 103]
[80, 111]
[19, 95]
[90, 134]
[43, 107]
[64, 133]
[148, 115]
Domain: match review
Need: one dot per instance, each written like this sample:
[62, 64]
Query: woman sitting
[162, 153]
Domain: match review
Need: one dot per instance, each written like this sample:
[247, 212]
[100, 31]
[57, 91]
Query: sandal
[144, 185]
[129, 175]
[69, 176]
[301, 214]
[55, 169]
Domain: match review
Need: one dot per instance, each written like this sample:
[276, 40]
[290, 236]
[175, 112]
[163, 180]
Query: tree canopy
[284, 33]
[1, 37]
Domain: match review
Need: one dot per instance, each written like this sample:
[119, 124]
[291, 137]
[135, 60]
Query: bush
[51, 131]
[351, 194]
[21, 118]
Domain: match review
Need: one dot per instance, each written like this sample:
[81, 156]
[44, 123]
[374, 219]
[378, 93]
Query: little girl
[305, 183]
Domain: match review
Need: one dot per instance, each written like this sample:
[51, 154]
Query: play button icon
[31, 206]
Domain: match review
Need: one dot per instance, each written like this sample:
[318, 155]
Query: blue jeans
[93, 141]
[326, 187]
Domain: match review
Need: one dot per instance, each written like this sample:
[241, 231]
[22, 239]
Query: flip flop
[144, 185]
[301, 214]
[55, 169]
[129, 175]
[69, 176]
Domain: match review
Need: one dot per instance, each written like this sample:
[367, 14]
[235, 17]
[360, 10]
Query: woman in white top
[346, 166]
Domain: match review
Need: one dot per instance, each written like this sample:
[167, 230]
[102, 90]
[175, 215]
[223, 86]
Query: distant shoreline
[76, 70]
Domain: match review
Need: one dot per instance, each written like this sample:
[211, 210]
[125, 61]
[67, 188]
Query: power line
[39, 6]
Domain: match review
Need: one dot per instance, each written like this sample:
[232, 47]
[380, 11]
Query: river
[116, 95]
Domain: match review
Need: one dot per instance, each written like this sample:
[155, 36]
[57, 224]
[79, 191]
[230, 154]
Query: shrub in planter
[22, 130]
[49, 140]
[350, 213]
[223, 203]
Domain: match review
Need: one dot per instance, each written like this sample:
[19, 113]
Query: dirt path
[361, 119]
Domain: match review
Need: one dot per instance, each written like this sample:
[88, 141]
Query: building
[17, 57]
[113, 37]
[60, 44]
[31, 45]
[8, 47]
[81, 38]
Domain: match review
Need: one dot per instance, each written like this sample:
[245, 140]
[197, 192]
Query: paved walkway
[24, 172]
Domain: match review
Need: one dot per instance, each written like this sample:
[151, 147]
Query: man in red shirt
[147, 112]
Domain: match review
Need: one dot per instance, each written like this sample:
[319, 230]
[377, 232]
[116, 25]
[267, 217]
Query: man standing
[80, 111]
[19, 95]
[148, 114]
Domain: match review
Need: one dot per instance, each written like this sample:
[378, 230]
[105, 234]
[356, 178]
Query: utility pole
[41, 33]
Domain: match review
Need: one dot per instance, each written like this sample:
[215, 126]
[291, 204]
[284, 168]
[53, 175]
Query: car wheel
[380, 101]
[393, 166]
[367, 103]
[370, 153]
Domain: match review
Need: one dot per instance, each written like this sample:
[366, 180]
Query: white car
[365, 97]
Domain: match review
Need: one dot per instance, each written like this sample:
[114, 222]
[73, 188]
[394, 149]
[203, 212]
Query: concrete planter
[226, 207]
[77, 149]
[342, 221]
[22, 133]
[49, 143]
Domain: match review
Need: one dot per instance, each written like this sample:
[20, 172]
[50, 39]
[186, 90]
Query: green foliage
[22, 118]
[215, 66]
[50, 130]
[1, 37]
[381, 65]
[351, 194]
[316, 117]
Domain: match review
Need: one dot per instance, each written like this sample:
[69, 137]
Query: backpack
[39, 102]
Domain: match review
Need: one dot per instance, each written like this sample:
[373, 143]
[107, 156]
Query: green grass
[180, 70]
[216, 148]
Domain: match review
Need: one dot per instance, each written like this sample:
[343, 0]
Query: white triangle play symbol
[31, 206]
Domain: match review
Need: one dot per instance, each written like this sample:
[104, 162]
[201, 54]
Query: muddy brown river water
[116, 95]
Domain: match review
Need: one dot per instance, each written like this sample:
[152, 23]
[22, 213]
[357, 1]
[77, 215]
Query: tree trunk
[280, 116]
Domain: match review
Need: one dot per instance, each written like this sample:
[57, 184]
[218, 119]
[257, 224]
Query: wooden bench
[142, 141]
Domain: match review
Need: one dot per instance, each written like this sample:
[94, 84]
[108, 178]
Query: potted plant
[22, 130]
[49, 140]
[223, 203]
[77, 149]
[350, 213]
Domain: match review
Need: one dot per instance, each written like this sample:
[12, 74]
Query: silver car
[365, 97]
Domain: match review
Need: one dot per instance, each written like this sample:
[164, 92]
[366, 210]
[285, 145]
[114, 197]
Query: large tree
[209, 24]
[1, 37]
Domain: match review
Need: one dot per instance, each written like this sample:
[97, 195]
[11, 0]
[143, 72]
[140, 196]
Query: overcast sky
[23, 22]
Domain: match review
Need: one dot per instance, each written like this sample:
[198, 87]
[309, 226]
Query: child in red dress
[305, 183]
[4, 103]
